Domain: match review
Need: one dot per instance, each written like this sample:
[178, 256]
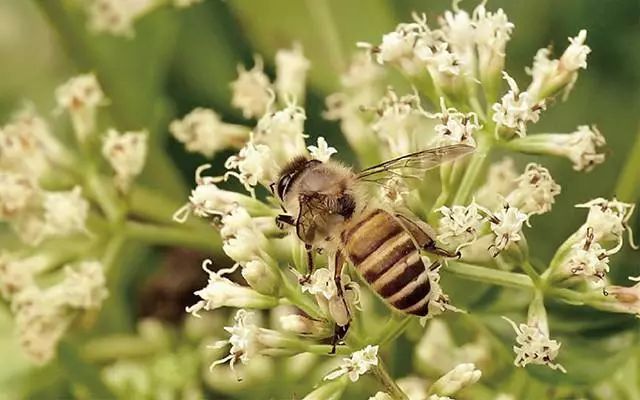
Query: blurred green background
[180, 59]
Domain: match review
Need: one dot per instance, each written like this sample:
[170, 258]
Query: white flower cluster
[601, 236]
[455, 127]
[516, 109]
[42, 315]
[126, 153]
[534, 345]
[357, 365]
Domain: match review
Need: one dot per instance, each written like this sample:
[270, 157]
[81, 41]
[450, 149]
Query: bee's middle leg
[310, 265]
[432, 248]
[340, 331]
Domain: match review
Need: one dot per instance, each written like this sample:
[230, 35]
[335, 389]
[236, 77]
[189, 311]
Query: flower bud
[81, 96]
[126, 153]
[305, 326]
[261, 277]
[455, 380]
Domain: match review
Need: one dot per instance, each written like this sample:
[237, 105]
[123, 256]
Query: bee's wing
[413, 165]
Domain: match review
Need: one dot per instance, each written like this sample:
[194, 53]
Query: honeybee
[327, 204]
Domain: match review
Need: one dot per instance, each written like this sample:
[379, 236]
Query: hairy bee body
[386, 255]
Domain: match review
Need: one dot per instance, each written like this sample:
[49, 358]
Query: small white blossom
[457, 379]
[438, 300]
[283, 132]
[580, 147]
[395, 190]
[126, 153]
[18, 273]
[116, 17]
[222, 292]
[302, 325]
[255, 164]
[17, 193]
[27, 145]
[534, 346]
[455, 127]
[243, 340]
[84, 286]
[587, 258]
[536, 191]
[81, 96]
[506, 224]
[608, 220]
[516, 109]
[291, 72]
[492, 32]
[575, 56]
[322, 151]
[361, 72]
[252, 91]
[358, 364]
[261, 277]
[322, 285]
[459, 225]
[65, 213]
[202, 131]
[439, 59]
[397, 120]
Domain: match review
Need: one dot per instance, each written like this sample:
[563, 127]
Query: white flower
[395, 190]
[255, 164]
[243, 340]
[459, 225]
[283, 132]
[455, 127]
[291, 72]
[252, 91]
[18, 273]
[506, 224]
[361, 72]
[84, 286]
[261, 277]
[65, 213]
[81, 96]
[438, 300]
[580, 147]
[492, 32]
[608, 220]
[322, 151]
[501, 180]
[40, 322]
[457, 379]
[397, 119]
[202, 131]
[27, 145]
[516, 109]
[222, 292]
[439, 59]
[536, 191]
[126, 153]
[304, 325]
[116, 17]
[321, 283]
[358, 364]
[534, 346]
[415, 388]
[587, 258]
[17, 193]
[575, 56]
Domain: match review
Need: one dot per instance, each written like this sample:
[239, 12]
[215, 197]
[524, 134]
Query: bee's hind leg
[433, 249]
[340, 331]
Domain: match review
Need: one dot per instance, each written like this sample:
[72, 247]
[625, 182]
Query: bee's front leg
[283, 220]
[340, 331]
[307, 277]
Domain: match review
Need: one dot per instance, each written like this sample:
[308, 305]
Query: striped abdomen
[385, 255]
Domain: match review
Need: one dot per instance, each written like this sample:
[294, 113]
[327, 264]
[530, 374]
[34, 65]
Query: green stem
[487, 275]
[628, 183]
[105, 198]
[207, 241]
[476, 166]
[394, 328]
[108, 348]
[531, 271]
[390, 385]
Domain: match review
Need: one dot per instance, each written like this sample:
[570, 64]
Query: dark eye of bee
[283, 185]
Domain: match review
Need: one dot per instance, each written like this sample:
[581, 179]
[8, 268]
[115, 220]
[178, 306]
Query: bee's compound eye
[283, 185]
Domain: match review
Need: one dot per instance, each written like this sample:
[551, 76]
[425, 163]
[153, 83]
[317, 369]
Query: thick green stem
[487, 275]
[475, 168]
[394, 328]
[390, 385]
[628, 184]
[208, 241]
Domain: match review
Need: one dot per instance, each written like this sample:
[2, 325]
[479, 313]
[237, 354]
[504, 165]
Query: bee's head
[289, 174]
